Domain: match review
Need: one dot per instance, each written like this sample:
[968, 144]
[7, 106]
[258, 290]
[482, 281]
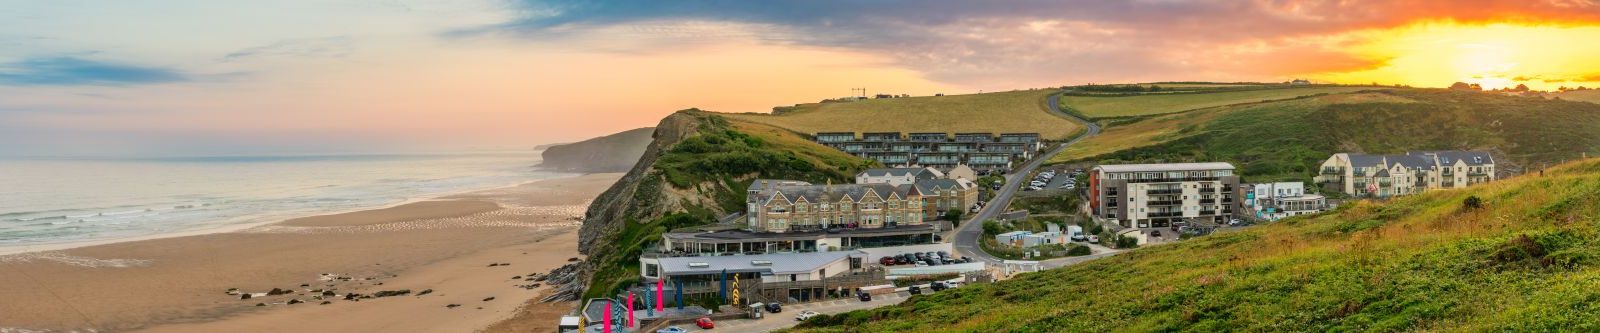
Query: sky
[211, 77]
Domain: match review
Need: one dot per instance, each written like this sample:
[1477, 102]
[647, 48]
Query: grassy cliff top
[1013, 111]
[1095, 106]
[1516, 255]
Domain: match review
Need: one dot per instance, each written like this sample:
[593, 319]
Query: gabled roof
[919, 173]
[1411, 161]
[835, 193]
[934, 185]
[1473, 158]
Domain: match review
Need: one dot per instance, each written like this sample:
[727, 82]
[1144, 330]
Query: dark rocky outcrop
[611, 153]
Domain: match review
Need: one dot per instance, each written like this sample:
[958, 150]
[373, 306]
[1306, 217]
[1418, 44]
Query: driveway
[968, 234]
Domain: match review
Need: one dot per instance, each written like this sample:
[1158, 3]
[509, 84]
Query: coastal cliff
[612, 153]
[693, 172]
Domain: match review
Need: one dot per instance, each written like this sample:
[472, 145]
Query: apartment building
[816, 207]
[983, 152]
[897, 176]
[1380, 176]
[1155, 195]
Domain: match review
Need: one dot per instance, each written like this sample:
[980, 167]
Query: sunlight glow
[1494, 55]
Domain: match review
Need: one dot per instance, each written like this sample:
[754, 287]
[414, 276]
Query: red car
[886, 261]
[705, 323]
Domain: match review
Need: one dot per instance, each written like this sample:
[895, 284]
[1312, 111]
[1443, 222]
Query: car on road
[938, 286]
[864, 296]
[774, 307]
[807, 314]
[672, 329]
[915, 290]
[1094, 239]
[705, 323]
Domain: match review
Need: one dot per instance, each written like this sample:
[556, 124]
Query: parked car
[807, 314]
[1235, 222]
[864, 296]
[1079, 238]
[915, 290]
[1156, 233]
[672, 329]
[886, 261]
[1179, 225]
[938, 286]
[921, 264]
[1094, 239]
[705, 323]
[966, 259]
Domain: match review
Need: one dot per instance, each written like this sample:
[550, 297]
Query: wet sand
[180, 284]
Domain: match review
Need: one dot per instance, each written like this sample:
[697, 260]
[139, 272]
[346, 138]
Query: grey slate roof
[835, 193]
[1473, 158]
[780, 263]
[934, 185]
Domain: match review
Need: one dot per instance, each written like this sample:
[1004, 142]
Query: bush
[991, 228]
[1472, 202]
[1127, 242]
[1078, 250]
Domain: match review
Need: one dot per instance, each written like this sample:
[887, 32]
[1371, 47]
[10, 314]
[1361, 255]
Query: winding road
[971, 231]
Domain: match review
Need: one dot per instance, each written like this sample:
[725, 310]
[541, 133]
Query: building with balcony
[1381, 176]
[1155, 195]
[983, 152]
[897, 176]
[1273, 201]
[817, 207]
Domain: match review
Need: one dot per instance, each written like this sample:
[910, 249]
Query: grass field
[1015, 111]
[1525, 258]
[1287, 140]
[1139, 105]
[1591, 96]
[1164, 128]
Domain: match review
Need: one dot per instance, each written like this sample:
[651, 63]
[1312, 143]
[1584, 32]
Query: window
[650, 270]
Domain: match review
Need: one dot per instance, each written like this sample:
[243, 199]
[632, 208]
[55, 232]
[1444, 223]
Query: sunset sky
[297, 76]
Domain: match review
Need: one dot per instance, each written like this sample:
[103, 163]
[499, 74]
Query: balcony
[1173, 180]
[1165, 203]
[1208, 212]
[1166, 214]
[1332, 171]
[1208, 201]
[1166, 191]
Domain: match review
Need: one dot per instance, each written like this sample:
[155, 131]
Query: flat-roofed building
[1030, 139]
[890, 158]
[974, 137]
[989, 162]
[1155, 195]
[773, 277]
[881, 136]
[836, 136]
[929, 137]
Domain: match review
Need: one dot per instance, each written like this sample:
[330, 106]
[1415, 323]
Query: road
[968, 235]
[775, 321]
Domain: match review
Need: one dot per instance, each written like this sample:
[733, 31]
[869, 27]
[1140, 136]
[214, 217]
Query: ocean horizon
[53, 202]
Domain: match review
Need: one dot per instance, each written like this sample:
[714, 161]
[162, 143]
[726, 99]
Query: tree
[1127, 242]
[1521, 87]
[1460, 86]
[991, 228]
[954, 216]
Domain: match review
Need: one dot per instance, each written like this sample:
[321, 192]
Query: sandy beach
[447, 245]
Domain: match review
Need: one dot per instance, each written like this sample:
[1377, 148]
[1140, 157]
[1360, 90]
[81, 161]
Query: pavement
[969, 233]
[776, 321]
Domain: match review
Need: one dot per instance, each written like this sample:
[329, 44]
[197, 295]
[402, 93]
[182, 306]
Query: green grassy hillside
[1014, 111]
[698, 178]
[1098, 106]
[1515, 255]
[1287, 140]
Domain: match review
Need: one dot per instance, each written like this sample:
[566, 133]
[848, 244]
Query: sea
[48, 203]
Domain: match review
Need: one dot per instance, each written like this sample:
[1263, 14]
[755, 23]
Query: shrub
[1078, 250]
[1472, 202]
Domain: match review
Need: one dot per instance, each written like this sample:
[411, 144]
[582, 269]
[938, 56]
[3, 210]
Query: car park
[807, 314]
[705, 323]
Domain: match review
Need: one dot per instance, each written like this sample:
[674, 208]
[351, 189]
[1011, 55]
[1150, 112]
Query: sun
[1494, 56]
